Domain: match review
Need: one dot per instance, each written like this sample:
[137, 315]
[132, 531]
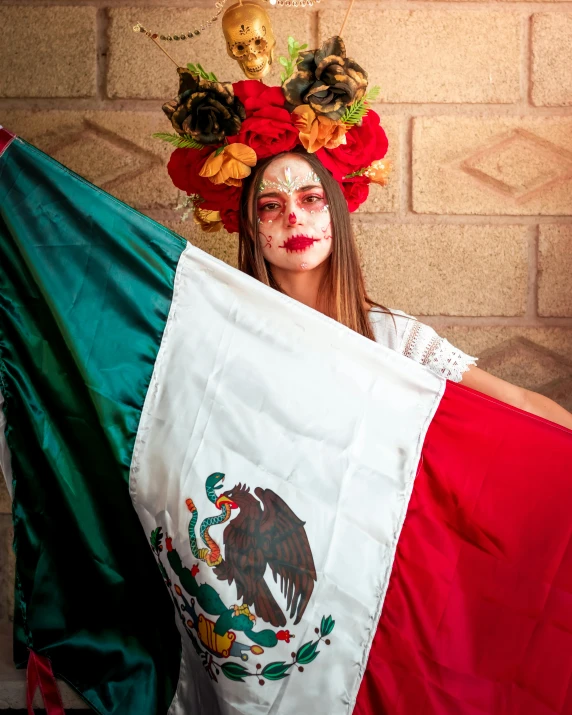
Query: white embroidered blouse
[405, 334]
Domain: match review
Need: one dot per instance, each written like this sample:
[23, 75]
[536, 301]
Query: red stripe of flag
[478, 613]
[6, 138]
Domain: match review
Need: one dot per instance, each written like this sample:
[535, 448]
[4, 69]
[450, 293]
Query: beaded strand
[184, 35]
[219, 6]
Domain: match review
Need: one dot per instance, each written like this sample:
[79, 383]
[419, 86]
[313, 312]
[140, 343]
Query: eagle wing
[287, 550]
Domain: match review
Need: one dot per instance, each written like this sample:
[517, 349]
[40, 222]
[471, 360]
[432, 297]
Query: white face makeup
[293, 216]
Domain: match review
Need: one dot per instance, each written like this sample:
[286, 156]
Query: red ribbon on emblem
[40, 675]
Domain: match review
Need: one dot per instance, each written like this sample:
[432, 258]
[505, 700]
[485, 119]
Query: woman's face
[294, 224]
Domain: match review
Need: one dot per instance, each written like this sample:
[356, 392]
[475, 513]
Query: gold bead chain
[219, 8]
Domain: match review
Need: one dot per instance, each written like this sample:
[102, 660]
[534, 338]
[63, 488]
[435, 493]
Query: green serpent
[210, 555]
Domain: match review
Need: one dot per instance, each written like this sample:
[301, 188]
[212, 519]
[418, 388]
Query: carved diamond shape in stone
[100, 156]
[524, 363]
[519, 165]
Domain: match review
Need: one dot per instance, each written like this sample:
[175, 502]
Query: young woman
[295, 235]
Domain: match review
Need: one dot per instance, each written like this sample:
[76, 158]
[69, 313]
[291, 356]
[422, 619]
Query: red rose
[184, 166]
[364, 144]
[254, 95]
[268, 127]
[229, 218]
[269, 131]
[356, 191]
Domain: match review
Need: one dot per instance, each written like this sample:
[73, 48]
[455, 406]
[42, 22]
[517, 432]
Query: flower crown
[223, 129]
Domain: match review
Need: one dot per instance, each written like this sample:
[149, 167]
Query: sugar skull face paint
[293, 215]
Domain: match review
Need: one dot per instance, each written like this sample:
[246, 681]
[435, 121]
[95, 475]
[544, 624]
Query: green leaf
[327, 624]
[373, 94]
[307, 653]
[180, 141]
[276, 671]
[355, 112]
[156, 538]
[282, 77]
[290, 62]
[303, 47]
[199, 70]
[235, 671]
[359, 172]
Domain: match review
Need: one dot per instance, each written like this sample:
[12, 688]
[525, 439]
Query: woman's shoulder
[389, 326]
[419, 342]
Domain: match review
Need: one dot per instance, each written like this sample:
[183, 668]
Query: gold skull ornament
[249, 38]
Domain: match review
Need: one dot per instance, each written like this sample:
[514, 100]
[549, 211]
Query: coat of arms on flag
[222, 634]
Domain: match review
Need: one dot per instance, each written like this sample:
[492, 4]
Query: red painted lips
[298, 243]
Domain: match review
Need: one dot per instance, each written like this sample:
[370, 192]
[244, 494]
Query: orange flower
[317, 131]
[209, 221]
[379, 172]
[229, 164]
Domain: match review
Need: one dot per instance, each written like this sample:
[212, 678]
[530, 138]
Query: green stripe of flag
[85, 290]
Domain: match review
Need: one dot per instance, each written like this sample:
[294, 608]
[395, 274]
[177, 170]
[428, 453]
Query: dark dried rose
[326, 80]
[207, 111]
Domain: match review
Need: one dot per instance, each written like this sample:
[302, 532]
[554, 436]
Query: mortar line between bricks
[406, 159]
[536, 268]
[532, 305]
[507, 7]
[447, 5]
[388, 219]
[459, 219]
[135, 104]
[102, 48]
[525, 51]
[459, 321]
[530, 60]
[315, 29]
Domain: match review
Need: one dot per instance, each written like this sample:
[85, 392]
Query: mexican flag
[225, 502]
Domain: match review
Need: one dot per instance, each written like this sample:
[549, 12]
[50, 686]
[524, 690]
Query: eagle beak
[219, 503]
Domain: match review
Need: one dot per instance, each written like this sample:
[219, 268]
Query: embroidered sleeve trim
[422, 344]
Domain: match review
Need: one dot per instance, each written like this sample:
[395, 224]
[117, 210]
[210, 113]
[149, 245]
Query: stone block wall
[474, 232]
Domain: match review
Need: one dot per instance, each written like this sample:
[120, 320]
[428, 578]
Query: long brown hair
[342, 294]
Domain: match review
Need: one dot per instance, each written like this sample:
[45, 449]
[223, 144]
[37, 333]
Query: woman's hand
[525, 400]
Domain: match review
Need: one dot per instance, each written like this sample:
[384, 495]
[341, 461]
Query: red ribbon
[40, 675]
[6, 138]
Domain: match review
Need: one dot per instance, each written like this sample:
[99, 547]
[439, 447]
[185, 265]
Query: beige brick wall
[474, 232]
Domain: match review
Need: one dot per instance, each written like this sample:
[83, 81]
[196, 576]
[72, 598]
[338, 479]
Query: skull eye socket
[260, 44]
[240, 49]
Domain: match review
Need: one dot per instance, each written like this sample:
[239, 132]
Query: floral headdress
[223, 129]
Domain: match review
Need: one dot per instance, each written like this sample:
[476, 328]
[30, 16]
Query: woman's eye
[312, 199]
[269, 207]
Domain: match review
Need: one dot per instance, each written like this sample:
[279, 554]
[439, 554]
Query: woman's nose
[292, 213]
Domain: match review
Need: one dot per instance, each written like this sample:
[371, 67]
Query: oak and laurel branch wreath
[279, 669]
